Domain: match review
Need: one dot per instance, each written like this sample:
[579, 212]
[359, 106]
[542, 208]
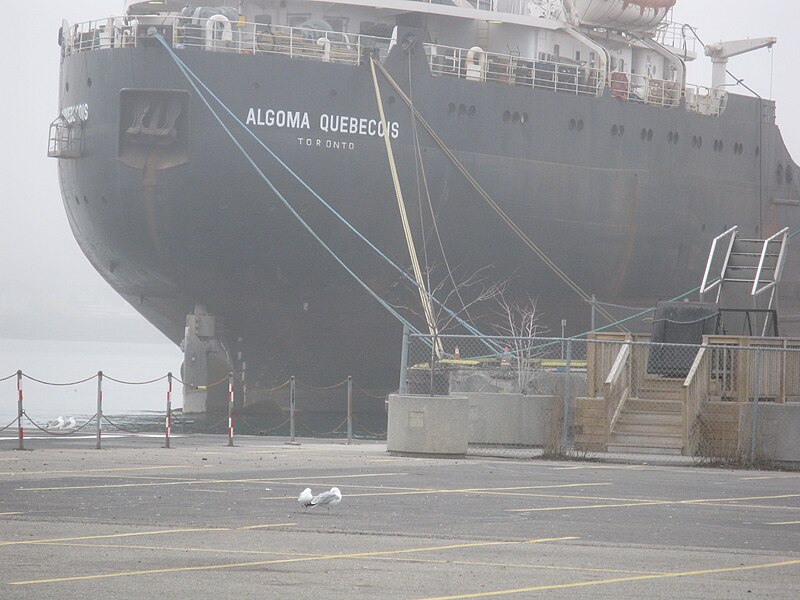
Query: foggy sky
[42, 269]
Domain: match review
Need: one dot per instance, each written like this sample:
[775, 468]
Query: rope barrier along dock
[323, 411]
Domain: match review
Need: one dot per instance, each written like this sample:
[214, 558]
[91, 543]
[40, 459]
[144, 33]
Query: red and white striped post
[168, 429]
[230, 408]
[20, 428]
[99, 445]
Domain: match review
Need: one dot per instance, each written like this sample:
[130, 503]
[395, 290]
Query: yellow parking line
[562, 586]
[286, 560]
[601, 467]
[178, 549]
[113, 535]
[656, 503]
[10, 513]
[196, 481]
[516, 566]
[416, 491]
[785, 523]
[267, 526]
[81, 471]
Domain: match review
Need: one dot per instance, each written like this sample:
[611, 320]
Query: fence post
[349, 409]
[756, 394]
[99, 443]
[168, 429]
[404, 361]
[567, 391]
[230, 408]
[594, 309]
[20, 411]
[291, 410]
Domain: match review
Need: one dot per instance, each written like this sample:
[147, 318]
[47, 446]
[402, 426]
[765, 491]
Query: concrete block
[507, 419]
[428, 425]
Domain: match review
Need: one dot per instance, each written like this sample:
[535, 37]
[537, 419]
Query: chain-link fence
[727, 400]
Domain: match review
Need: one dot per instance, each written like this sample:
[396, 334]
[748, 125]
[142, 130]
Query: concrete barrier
[436, 425]
[777, 434]
[511, 419]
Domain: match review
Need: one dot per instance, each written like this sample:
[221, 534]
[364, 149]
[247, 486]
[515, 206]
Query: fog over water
[51, 298]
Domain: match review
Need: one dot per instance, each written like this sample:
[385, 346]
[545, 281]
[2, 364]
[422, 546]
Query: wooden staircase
[651, 423]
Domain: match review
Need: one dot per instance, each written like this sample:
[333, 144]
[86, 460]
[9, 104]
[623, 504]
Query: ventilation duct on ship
[153, 125]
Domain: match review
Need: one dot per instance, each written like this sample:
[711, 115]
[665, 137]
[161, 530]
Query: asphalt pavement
[204, 520]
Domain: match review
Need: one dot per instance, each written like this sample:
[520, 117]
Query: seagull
[59, 423]
[326, 499]
[305, 497]
[70, 423]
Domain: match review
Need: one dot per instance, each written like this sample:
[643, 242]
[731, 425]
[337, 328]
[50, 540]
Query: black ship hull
[624, 197]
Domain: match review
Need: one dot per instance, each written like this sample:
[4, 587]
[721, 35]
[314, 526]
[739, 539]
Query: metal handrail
[784, 233]
[705, 286]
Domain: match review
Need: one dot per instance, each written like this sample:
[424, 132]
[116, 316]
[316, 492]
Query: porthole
[515, 117]
[573, 124]
[649, 135]
[621, 130]
[614, 130]
[699, 141]
[580, 124]
[472, 110]
[780, 173]
[462, 109]
[66, 87]
[524, 118]
[507, 116]
[89, 82]
[451, 108]
[670, 136]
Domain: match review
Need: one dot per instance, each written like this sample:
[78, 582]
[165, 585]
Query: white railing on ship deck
[477, 65]
[221, 35]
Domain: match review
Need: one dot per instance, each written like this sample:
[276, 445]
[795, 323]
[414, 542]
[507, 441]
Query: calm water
[69, 361]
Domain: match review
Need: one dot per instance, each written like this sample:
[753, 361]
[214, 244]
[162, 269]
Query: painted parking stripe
[424, 491]
[563, 586]
[81, 471]
[655, 503]
[112, 535]
[356, 555]
[196, 481]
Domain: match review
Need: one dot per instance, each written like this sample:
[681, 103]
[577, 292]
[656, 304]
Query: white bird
[59, 423]
[70, 423]
[305, 497]
[326, 499]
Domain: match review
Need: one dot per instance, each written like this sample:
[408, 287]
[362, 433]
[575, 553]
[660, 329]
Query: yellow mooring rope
[412, 251]
[489, 200]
